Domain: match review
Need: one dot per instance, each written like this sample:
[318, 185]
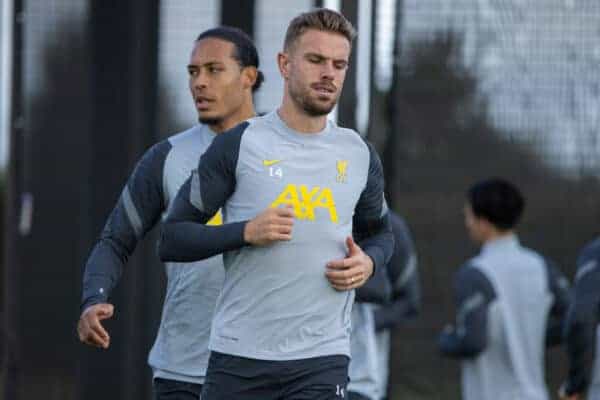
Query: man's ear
[249, 77]
[283, 64]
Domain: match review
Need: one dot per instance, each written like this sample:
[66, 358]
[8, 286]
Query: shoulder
[157, 152]
[186, 135]
[232, 137]
[470, 270]
[351, 139]
[539, 262]
[401, 231]
[470, 277]
[588, 260]
[399, 224]
[590, 251]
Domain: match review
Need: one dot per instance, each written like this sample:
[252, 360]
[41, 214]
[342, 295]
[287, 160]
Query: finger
[336, 274]
[336, 278]
[287, 211]
[106, 311]
[91, 338]
[287, 221]
[352, 247]
[338, 264]
[343, 288]
[97, 328]
[284, 229]
[277, 237]
[338, 281]
[81, 331]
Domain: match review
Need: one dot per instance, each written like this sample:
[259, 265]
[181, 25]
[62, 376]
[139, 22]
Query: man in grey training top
[281, 330]
[510, 303]
[374, 316]
[582, 333]
[223, 73]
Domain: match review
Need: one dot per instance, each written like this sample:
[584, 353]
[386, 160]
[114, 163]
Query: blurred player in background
[582, 333]
[280, 330]
[374, 315]
[223, 73]
[510, 303]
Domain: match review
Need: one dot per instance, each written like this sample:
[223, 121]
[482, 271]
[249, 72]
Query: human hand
[352, 271]
[89, 328]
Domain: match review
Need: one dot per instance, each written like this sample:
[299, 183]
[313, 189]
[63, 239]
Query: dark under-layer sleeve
[559, 287]
[468, 337]
[138, 209]
[371, 223]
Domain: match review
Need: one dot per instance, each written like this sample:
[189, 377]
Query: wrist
[247, 232]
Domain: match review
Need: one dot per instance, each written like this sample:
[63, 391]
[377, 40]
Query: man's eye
[214, 70]
[192, 72]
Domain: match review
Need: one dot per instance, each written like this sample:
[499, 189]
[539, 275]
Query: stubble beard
[309, 105]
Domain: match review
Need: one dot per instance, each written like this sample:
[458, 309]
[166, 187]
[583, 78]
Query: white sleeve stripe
[195, 192]
[132, 212]
[467, 307]
[585, 269]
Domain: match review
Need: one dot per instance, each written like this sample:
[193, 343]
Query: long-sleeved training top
[372, 320]
[582, 334]
[276, 303]
[511, 302]
[180, 351]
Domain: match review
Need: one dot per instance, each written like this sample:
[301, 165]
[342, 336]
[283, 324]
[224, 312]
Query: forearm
[187, 241]
[391, 315]
[377, 241]
[102, 271]
[377, 289]
[468, 337]
[580, 343]
[454, 345]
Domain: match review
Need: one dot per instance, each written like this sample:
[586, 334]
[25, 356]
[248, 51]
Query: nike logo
[268, 163]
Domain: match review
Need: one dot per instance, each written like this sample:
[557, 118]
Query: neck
[246, 111]
[496, 234]
[298, 119]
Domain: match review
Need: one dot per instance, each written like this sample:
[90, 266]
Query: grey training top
[180, 351]
[276, 302]
[506, 297]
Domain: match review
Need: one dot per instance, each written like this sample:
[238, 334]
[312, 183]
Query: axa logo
[306, 200]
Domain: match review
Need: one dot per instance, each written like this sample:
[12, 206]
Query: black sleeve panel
[371, 225]
[468, 337]
[559, 287]
[582, 320]
[136, 212]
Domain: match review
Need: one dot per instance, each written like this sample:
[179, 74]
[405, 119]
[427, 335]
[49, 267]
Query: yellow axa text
[305, 201]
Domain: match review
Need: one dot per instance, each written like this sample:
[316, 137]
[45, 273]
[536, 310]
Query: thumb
[106, 311]
[352, 246]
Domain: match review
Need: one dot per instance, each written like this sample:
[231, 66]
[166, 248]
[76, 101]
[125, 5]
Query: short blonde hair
[321, 19]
